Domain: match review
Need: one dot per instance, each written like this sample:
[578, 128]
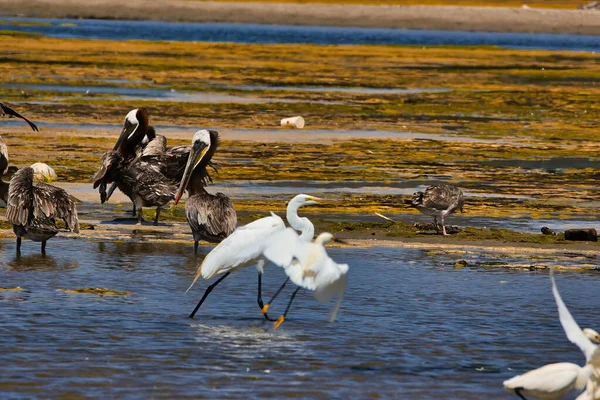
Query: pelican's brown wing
[53, 202]
[9, 111]
[19, 207]
[212, 217]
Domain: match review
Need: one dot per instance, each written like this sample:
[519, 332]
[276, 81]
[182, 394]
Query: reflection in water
[410, 323]
[34, 261]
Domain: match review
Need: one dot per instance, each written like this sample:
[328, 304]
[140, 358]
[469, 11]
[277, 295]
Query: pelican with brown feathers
[211, 217]
[33, 207]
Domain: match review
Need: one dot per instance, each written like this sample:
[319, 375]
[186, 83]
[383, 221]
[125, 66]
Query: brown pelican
[144, 186]
[33, 207]
[211, 217]
[439, 201]
[12, 113]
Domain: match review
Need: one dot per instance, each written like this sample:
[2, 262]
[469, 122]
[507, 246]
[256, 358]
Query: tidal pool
[411, 326]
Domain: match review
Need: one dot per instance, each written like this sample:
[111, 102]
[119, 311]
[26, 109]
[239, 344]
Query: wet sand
[492, 19]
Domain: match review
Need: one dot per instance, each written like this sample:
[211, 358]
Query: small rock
[586, 235]
[548, 231]
[461, 263]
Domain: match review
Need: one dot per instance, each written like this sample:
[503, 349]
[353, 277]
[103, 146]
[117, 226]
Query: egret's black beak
[128, 130]
[196, 154]
[339, 241]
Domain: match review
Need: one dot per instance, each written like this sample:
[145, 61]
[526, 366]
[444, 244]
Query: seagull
[438, 201]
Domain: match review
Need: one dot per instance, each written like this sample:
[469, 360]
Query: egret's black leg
[195, 247]
[133, 212]
[264, 308]
[518, 393]
[44, 247]
[206, 293]
[157, 214]
[18, 244]
[282, 318]
[140, 216]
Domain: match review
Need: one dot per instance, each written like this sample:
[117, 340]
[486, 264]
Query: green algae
[97, 291]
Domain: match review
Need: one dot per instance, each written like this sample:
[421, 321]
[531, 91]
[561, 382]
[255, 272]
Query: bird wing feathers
[308, 265]
[244, 246]
[53, 202]
[215, 214]
[551, 381]
[572, 330]
[9, 111]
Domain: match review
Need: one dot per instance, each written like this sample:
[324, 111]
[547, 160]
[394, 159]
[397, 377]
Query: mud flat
[464, 18]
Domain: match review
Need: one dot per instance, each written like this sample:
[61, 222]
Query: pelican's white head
[43, 173]
[132, 116]
[592, 335]
[201, 137]
[201, 143]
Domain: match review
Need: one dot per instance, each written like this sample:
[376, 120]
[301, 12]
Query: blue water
[254, 33]
[411, 327]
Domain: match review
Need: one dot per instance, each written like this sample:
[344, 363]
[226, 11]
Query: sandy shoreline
[493, 19]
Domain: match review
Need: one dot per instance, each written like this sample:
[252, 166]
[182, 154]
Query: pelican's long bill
[129, 129]
[196, 154]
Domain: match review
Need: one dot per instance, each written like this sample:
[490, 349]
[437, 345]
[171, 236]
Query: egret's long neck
[300, 224]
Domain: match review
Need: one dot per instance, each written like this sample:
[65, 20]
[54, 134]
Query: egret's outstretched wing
[308, 265]
[551, 381]
[572, 330]
[285, 249]
[243, 247]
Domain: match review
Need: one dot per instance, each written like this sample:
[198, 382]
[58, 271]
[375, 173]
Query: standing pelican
[33, 207]
[144, 186]
[245, 247]
[5, 110]
[308, 265]
[439, 201]
[211, 217]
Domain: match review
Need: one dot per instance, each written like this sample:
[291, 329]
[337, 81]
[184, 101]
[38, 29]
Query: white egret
[553, 381]
[245, 246]
[308, 266]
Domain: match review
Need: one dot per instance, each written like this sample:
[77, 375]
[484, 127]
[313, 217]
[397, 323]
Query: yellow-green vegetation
[97, 291]
[14, 289]
[478, 3]
[502, 107]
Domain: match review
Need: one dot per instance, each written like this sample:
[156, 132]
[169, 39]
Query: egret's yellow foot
[278, 322]
[265, 308]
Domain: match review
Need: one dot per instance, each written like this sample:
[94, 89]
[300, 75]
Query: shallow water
[410, 326]
[164, 95]
[254, 33]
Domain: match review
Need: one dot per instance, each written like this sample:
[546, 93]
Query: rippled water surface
[411, 326]
[255, 33]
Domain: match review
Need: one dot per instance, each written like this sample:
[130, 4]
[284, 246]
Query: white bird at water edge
[245, 247]
[308, 266]
[554, 381]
